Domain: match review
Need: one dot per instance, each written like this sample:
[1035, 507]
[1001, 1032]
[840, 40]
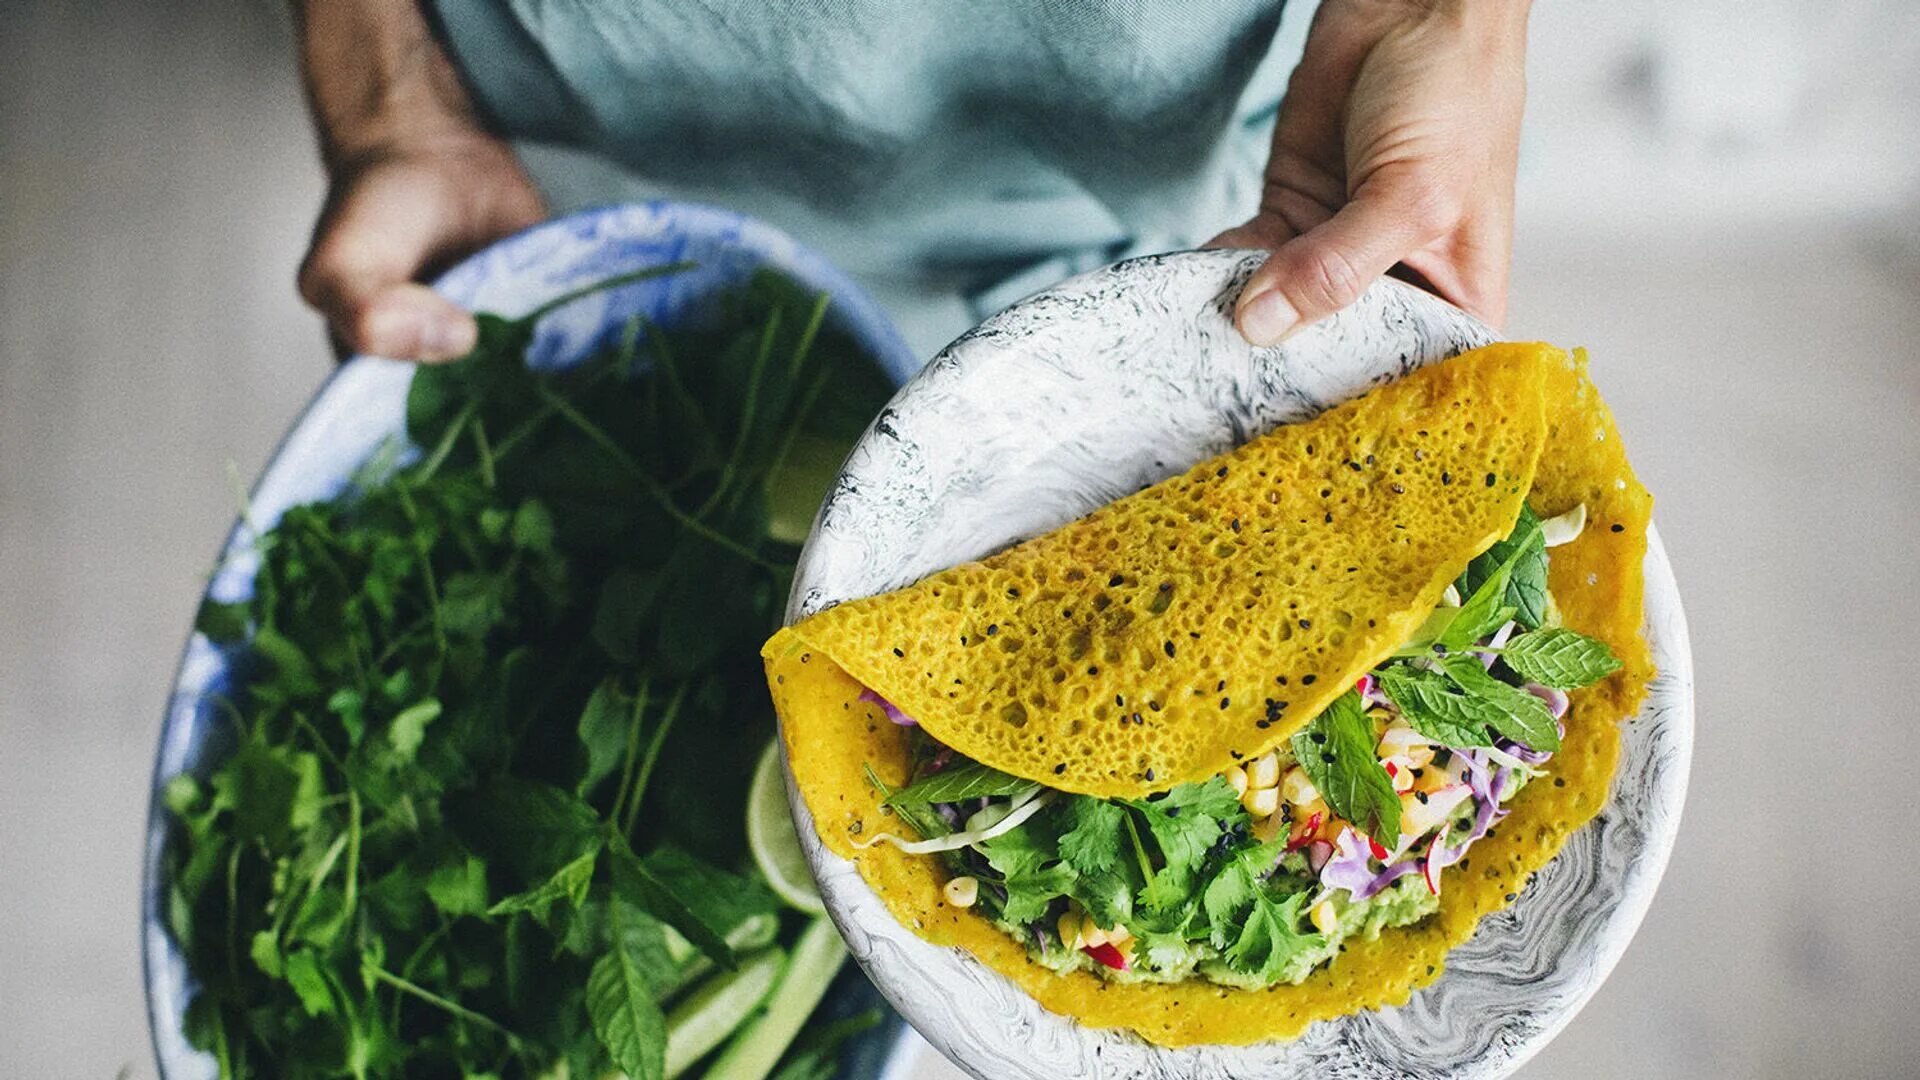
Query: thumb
[1326, 268]
[359, 274]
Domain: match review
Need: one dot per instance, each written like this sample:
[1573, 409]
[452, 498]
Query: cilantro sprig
[482, 807]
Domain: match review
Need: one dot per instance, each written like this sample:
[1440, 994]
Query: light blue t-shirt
[973, 148]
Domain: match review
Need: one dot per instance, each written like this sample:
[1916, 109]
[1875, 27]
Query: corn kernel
[1265, 772]
[1091, 936]
[1237, 779]
[1298, 789]
[1119, 935]
[1419, 756]
[1069, 928]
[1267, 828]
[963, 891]
[1401, 774]
[1323, 916]
[1261, 802]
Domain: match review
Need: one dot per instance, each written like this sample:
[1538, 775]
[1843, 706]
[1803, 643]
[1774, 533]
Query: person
[965, 147]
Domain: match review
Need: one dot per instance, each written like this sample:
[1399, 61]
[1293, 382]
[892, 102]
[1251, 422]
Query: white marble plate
[1086, 392]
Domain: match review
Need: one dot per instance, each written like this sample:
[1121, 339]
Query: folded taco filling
[1257, 745]
[1259, 875]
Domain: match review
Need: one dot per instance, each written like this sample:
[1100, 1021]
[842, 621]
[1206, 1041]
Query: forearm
[376, 78]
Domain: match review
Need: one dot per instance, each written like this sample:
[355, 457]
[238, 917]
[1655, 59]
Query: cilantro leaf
[1092, 844]
[1234, 888]
[1028, 859]
[1185, 822]
[1270, 940]
[1429, 705]
[958, 784]
[1511, 711]
[1559, 658]
[1336, 749]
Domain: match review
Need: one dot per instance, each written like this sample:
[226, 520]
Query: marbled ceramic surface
[1086, 392]
[364, 406]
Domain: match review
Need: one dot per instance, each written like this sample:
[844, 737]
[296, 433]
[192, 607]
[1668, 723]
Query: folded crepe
[1210, 632]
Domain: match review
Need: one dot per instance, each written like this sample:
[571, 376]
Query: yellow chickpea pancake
[1257, 745]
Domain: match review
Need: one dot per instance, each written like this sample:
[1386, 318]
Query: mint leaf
[1560, 658]
[223, 624]
[604, 726]
[620, 992]
[568, 883]
[1513, 712]
[1428, 704]
[1523, 556]
[958, 784]
[410, 727]
[1185, 822]
[1270, 940]
[1092, 844]
[1337, 750]
[701, 901]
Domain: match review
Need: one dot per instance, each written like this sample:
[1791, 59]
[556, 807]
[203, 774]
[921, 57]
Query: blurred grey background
[1721, 199]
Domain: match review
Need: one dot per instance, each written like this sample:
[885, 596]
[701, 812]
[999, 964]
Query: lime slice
[776, 848]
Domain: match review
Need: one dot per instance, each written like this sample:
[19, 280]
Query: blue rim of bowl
[855, 311]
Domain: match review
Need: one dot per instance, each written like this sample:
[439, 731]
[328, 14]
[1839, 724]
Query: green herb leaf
[1185, 822]
[1270, 940]
[1092, 844]
[1028, 861]
[569, 883]
[224, 624]
[1427, 702]
[958, 784]
[1513, 712]
[410, 727]
[1337, 750]
[701, 901]
[1523, 555]
[1234, 889]
[1560, 658]
[620, 998]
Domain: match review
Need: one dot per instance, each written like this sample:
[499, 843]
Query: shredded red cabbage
[893, 713]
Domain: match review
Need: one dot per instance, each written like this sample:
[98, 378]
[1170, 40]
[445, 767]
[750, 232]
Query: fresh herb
[1509, 710]
[1336, 749]
[1560, 658]
[959, 783]
[1521, 560]
[1185, 822]
[474, 818]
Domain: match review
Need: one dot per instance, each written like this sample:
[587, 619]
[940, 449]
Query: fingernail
[1268, 318]
[445, 337]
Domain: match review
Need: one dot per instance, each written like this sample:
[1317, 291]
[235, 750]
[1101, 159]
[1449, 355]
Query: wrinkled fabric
[960, 144]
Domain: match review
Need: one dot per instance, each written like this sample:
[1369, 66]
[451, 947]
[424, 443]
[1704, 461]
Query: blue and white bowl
[364, 404]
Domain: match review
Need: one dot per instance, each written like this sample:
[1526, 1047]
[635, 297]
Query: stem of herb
[483, 451]
[649, 484]
[447, 438]
[749, 408]
[602, 286]
[653, 755]
[1139, 849]
[376, 972]
[640, 696]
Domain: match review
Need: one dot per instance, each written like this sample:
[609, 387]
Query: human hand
[1396, 144]
[414, 179]
[392, 215]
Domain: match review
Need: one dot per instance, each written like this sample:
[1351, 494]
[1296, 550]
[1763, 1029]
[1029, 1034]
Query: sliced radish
[1430, 868]
[1318, 853]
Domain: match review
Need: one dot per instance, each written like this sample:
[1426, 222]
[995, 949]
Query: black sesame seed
[1369, 459]
[1329, 518]
[1167, 647]
[992, 629]
[1281, 679]
[1224, 702]
[1308, 680]
[1236, 524]
[1559, 781]
[1510, 897]
[1118, 700]
[1619, 528]
[1319, 738]
[1306, 624]
[1446, 478]
[1222, 471]
[1149, 774]
[1115, 581]
[1422, 796]
[897, 652]
[1060, 768]
[1154, 705]
[1263, 724]
[1221, 685]
[1093, 671]
[1137, 719]
[1354, 465]
[1490, 479]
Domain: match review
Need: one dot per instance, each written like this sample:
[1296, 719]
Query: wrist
[379, 83]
